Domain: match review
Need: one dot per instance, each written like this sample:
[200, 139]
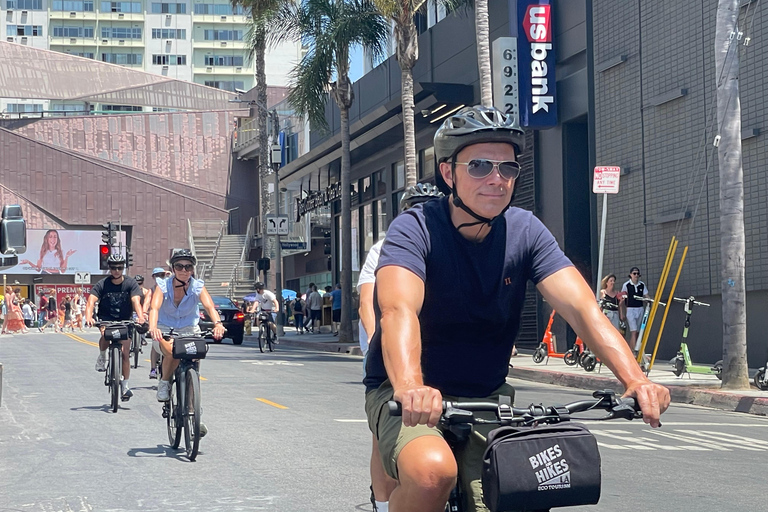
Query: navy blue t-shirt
[473, 293]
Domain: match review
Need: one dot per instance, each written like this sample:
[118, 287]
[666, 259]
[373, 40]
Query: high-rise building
[202, 41]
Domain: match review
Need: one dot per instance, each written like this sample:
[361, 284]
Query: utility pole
[732, 240]
[276, 158]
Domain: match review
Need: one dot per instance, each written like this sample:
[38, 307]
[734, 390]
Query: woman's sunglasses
[180, 267]
[479, 168]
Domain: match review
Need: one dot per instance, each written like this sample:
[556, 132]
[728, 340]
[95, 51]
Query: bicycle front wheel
[192, 414]
[136, 348]
[262, 341]
[173, 417]
[115, 367]
[270, 339]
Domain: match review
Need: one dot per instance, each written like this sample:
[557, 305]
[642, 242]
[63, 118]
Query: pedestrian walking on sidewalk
[298, 314]
[610, 295]
[632, 311]
[315, 309]
[336, 309]
[26, 312]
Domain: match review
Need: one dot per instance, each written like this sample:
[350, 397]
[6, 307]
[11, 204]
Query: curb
[679, 394]
[352, 349]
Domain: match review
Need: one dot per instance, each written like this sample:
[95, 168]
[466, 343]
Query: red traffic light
[104, 249]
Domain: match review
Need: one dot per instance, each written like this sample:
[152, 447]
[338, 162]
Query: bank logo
[538, 29]
[551, 469]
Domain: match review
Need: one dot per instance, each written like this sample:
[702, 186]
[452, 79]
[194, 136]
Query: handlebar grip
[395, 408]
[631, 402]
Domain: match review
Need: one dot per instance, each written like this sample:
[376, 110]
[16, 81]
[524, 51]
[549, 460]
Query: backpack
[298, 305]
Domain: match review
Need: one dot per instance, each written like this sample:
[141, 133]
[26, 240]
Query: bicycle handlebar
[463, 412]
[167, 336]
[692, 301]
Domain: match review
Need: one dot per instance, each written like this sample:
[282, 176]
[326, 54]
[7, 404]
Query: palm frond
[309, 82]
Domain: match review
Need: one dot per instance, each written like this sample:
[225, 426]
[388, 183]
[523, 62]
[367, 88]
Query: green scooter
[682, 362]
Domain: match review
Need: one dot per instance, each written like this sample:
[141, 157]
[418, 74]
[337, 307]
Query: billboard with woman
[58, 251]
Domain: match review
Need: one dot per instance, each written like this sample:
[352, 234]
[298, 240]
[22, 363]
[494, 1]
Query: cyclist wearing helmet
[117, 295]
[266, 301]
[175, 306]
[381, 484]
[471, 241]
[157, 274]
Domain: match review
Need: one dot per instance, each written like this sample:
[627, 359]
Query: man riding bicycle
[266, 301]
[118, 296]
[420, 354]
[175, 306]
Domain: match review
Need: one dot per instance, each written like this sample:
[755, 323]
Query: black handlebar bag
[535, 468]
[192, 347]
[116, 332]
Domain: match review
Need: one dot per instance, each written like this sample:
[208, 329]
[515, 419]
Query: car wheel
[237, 339]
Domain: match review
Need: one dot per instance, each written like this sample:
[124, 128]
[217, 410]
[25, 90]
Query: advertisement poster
[60, 251]
[62, 291]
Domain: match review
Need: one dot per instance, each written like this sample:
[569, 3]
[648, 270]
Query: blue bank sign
[536, 64]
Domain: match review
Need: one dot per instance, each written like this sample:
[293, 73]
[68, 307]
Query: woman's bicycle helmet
[419, 193]
[182, 254]
[475, 125]
[116, 259]
[138, 278]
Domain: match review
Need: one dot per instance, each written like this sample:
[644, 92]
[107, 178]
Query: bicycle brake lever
[453, 415]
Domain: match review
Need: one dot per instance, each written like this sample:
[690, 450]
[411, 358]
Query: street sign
[293, 246]
[277, 224]
[606, 180]
[82, 278]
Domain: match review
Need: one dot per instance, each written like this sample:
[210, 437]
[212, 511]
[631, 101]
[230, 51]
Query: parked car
[231, 316]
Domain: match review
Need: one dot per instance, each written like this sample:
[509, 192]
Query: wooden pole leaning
[660, 289]
[666, 310]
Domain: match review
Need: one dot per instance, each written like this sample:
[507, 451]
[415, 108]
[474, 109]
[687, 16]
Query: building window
[29, 5]
[24, 107]
[87, 55]
[398, 175]
[72, 31]
[368, 234]
[223, 35]
[169, 60]
[220, 9]
[169, 33]
[427, 163]
[24, 30]
[122, 108]
[381, 211]
[226, 85]
[223, 60]
[124, 7]
[130, 59]
[72, 5]
[169, 8]
[120, 33]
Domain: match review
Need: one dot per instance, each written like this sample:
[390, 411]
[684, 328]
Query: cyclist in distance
[420, 354]
[117, 295]
[157, 274]
[266, 301]
[175, 306]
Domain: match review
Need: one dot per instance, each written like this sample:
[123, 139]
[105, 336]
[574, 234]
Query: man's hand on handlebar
[653, 400]
[422, 405]
[218, 332]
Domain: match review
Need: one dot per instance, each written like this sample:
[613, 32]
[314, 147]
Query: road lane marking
[686, 439]
[351, 421]
[745, 443]
[270, 402]
[81, 340]
[612, 446]
[202, 378]
[695, 424]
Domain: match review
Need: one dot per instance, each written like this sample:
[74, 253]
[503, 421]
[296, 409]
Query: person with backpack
[298, 314]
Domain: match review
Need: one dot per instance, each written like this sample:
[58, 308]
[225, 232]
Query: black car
[231, 316]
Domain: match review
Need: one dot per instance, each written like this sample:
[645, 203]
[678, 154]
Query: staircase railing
[218, 243]
[240, 274]
[248, 241]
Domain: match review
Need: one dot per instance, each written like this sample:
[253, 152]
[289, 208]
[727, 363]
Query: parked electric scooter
[682, 362]
[572, 355]
[546, 348]
[761, 378]
[587, 359]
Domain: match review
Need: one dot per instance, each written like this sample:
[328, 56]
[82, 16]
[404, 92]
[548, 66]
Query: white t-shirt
[368, 275]
[26, 311]
[265, 300]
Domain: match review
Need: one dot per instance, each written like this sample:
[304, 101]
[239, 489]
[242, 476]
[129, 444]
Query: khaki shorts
[393, 437]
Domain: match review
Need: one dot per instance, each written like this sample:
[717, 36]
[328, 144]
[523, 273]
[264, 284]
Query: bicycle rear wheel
[173, 418]
[192, 414]
[270, 341]
[262, 341]
[136, 345]
[115, 367]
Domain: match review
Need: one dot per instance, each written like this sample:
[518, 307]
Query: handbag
[191, 347]
[535, 468]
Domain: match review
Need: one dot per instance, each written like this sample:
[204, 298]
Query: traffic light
[104, 257]
[128, 258]
[262, 264]
[108, 235]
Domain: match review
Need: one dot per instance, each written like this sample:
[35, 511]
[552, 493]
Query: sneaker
[127, 395]
[153, 373]
[203, 430]
[163, 391]
[276, 341]
[101, 364]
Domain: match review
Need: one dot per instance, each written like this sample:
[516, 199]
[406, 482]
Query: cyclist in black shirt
[118, 295]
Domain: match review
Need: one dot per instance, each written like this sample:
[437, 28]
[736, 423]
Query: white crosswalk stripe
[679, 439]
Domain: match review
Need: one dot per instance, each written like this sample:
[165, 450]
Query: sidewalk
[701, 390]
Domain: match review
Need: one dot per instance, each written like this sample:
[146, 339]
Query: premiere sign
[536, 58]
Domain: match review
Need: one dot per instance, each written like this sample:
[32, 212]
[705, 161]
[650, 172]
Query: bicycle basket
[535, 468]
[192, 347]
[116, 332]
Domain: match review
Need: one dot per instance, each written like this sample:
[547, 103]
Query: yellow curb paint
[269, 402]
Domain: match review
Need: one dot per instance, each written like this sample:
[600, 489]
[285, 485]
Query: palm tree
[482, 33]
[328, 29]
[402, 12]
[732, 244]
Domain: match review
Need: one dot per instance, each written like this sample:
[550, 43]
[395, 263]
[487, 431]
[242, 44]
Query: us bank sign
[536, 64]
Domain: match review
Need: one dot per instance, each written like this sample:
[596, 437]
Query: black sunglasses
[481, 167]
[179, 266]
[115, 268]
[635, 273]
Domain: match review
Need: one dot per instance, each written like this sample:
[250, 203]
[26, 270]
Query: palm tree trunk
[482, 31]
[407, 55]
[345, 329]
[260, 48]
[732, 245]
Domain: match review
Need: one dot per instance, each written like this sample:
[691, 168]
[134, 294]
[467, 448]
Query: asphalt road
[287, 433]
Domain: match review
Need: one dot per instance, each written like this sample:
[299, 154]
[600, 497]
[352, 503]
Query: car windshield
[223, 301]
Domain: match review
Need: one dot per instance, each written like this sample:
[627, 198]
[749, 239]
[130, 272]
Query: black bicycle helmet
[139, 278]
[115, 259]
[418, 193]
[475, 125]
[259, 285]
[182, 254]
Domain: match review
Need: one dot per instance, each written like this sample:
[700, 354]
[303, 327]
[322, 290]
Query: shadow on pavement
[102, 408]
[160, 450]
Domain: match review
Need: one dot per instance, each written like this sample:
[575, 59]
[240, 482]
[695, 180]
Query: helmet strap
[183, 284]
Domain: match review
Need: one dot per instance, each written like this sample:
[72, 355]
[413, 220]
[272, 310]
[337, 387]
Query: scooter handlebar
[648, 299]
[694, 302]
